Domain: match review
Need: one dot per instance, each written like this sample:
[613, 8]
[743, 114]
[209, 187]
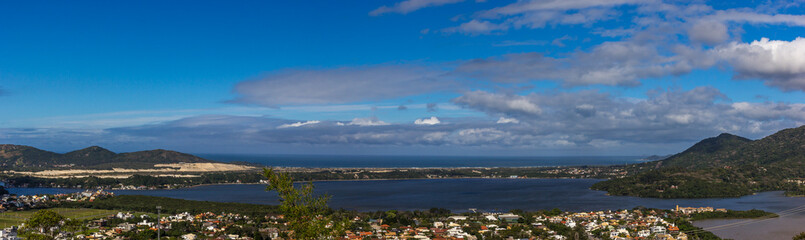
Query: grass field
[8, 219]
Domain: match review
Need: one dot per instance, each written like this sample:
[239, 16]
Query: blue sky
[429, 77]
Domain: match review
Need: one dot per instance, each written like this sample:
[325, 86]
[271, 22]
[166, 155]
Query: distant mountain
[25, 157]
[722, 166]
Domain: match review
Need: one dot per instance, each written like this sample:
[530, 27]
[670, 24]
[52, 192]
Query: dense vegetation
[138, 203]
[693, 232]
[731, 214]
[312, 175]
[18, 157]
[723, 166]
[135, 180]
[673, 183]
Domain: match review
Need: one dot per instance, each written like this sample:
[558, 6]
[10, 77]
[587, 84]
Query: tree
[800, 236]
[306, 213]
[43, 221]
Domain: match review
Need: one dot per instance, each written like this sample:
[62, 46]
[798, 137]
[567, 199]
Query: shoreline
[314, 181]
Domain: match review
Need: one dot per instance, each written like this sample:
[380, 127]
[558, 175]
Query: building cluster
[9, 233]
[798, 181]
[617, 225]
[10, 202]
[193, 226]
[691, 210]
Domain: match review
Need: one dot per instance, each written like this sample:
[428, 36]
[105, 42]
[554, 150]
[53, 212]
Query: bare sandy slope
[173, 169]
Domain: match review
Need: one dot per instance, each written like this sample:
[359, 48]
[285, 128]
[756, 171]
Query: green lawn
[15, 218]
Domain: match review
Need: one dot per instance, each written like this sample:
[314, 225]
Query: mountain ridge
[722, 166]
[19, 157]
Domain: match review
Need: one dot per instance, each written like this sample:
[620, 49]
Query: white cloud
[663, 116]
[408, 6]
[508, 103]
[520, 7]
[539, 13]
[427, 121]
[475, 27]
[298, 124]
[779, 63]
[504, 120]
[367, 122]
[340, 85]
[746, 15]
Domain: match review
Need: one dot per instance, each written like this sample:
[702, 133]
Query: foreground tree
[800, 236]
[43, 225]
[306, 214]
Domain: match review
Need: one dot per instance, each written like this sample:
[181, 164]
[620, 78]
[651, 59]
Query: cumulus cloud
[654, 46]
[780, 64]
[408, 6]
[298, 124]
[340, 85]
[664, 116]
[504, 120]
[427, 121]
[365, 122]
[588, 119]
[512, 104]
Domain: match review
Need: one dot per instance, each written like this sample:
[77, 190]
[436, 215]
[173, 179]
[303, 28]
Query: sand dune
[173, 169]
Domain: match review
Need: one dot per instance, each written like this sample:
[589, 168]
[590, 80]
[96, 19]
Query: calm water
[419, 161]
[497, 195]
[460, 194]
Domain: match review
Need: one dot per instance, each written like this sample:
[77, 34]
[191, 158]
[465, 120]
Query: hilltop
[722, 166]
[19, 157]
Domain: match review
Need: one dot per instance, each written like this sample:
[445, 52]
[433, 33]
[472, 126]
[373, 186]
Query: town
[145, 182]
[434, 224]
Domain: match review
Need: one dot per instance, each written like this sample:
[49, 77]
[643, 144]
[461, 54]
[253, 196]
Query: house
[9, 234]
[643, 233]
[189, 236]
[673, 229]
[657, 230]
[509, 217]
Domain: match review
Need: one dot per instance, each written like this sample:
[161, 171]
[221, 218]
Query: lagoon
[459, 195]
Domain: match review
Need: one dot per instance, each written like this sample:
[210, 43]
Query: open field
[14, 218]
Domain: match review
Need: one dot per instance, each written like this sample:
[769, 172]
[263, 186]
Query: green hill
[723, 166]
[18, 157]
[711, 152]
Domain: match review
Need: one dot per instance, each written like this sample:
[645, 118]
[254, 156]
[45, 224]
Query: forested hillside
[18, 157]
[723, 166]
